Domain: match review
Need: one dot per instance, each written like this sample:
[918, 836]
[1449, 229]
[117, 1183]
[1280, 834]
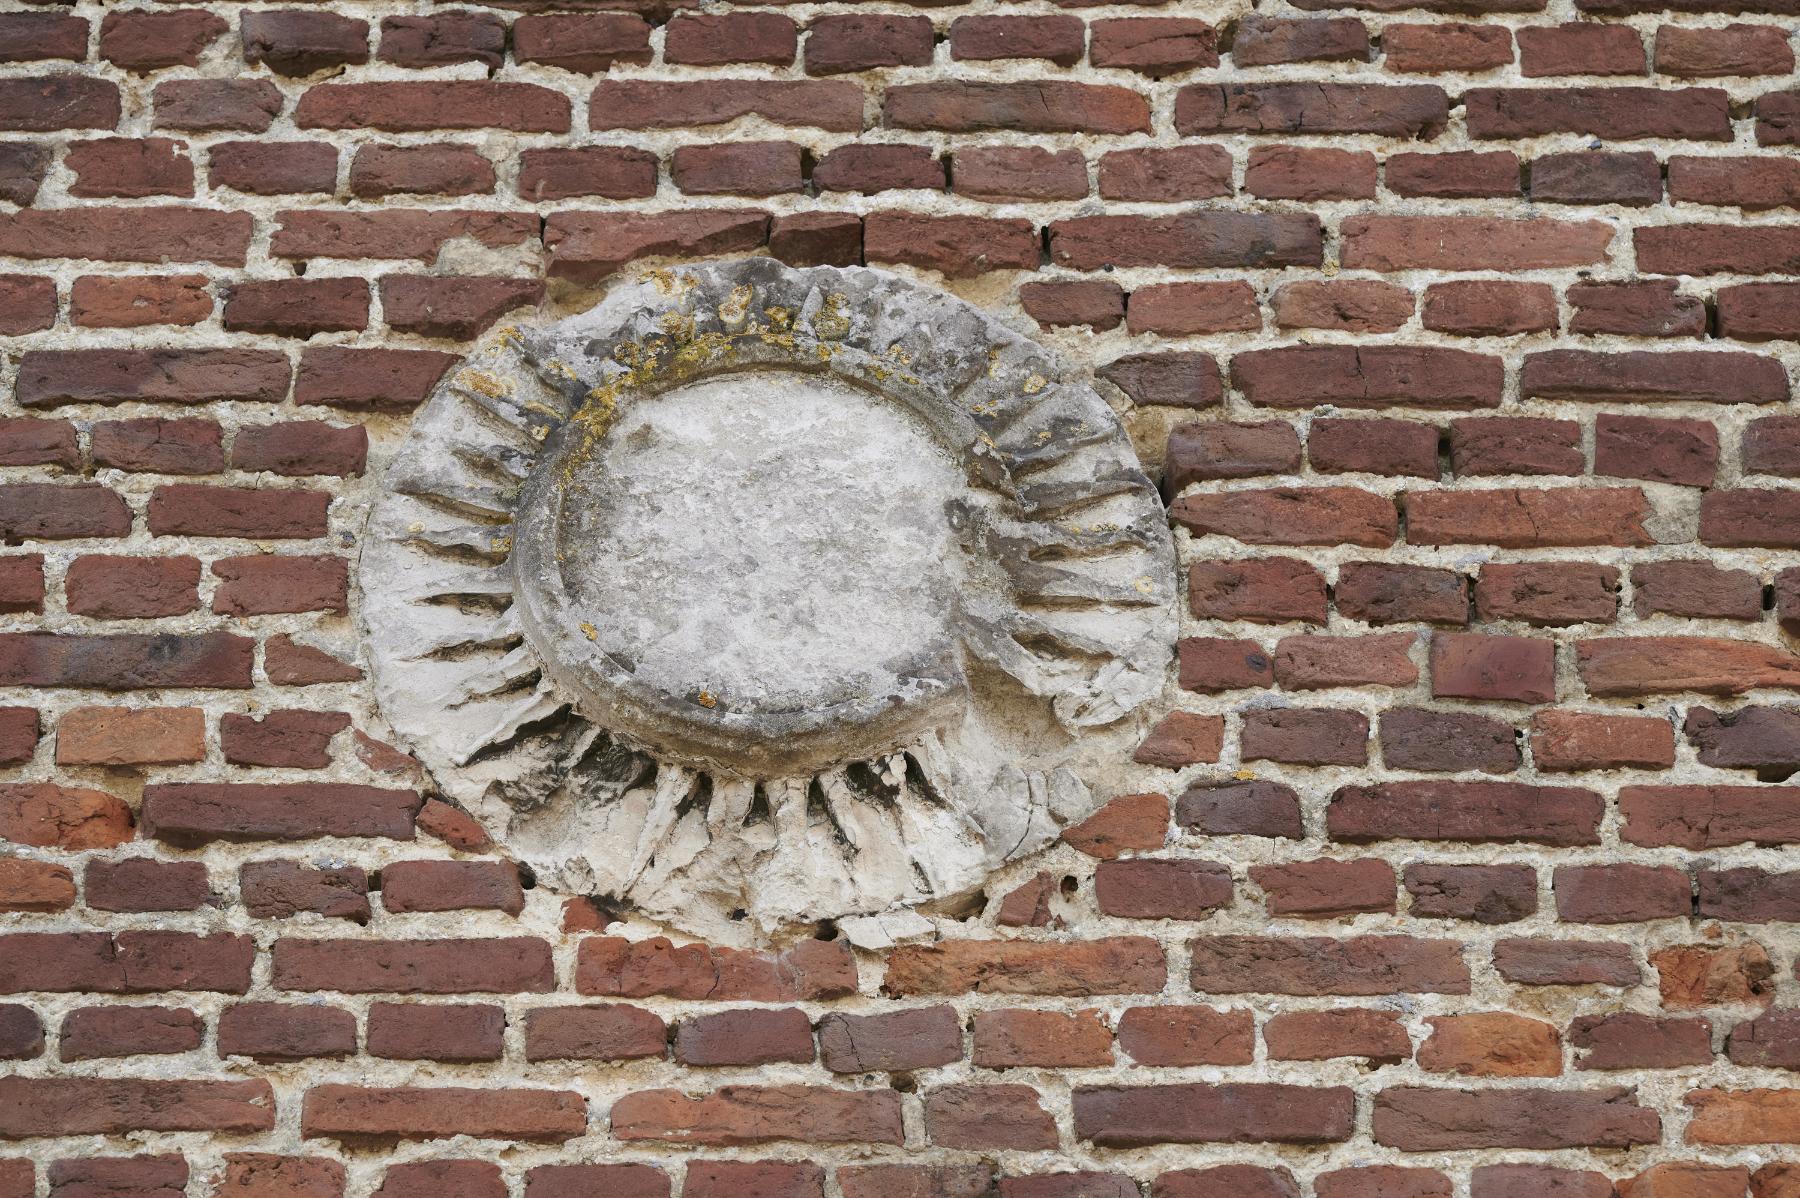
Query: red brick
[817, 239]
[1009, 1039]
[1206, 450]
[1613, 113]
[1222, 1181]
[394, 233]
[1548, 592]
[1413, 111]
[403, 107]
[752, 168]
[1697, 589]
[1759, 312]
[127, 588]
[1461, 174]
[586, 247]
[1097, 303]
[46, 103]
[1374, 1035]
[1181, 380]
[735, 1115]
[442, 39]
[1154, 46]
[1180, 1035]
[1216, 664]
[215, 105]
[1380, 593]
[891, 1041]
[293, 739]
[847, 42]
[130, 736]
[72, 1106]
[1729, 50]
[658, 104]
[1262, 41]
[23, 166]
[296, 42]
[436, 1031]
[1489, 308]
[1200, 1113]
[1646, 308]
[1628, 1040]
[35, 886]
[451, 886]
[459, 308]
[1203, 239]
[1639, 376]
[1349, 305]
[139, 884]
[1114, 965]
[359, 1113]
[1382, 1181]
[1447, 741]
[1045, 106]
[1325, 888]
[718, 39]
[18, 734]
[613, 172]
[90, 1033]
[1697, 249]
[279, 1032]
[766, 1179]
[273, 168]
[378, 171]
[1240, 809]
[811, 970]
[1292, 516]
[956, 246]
[1621, 893]
[988, 1117]
[300, 448]
[1000, 173]
[1165, 174]
[1471, 243]
[1313, 662]
[145, 1176]
[1682, 452]
[49, 378]
[47, 815]
[21, 1038]
[1750, 518]
[508, 965]
[194, 813]
[875, 168]
[143, 40]
[1711, 665]
[135, 301]
[1566, 963]
[1272, 590]
[1475, 812]
[1585, 48]
[1448, 46]
[268, 584]
[25, 441]
[586, 44]
[1153, 888]
[1059, 39]
[1515, 518]
[126, 661]
[1309, 173]
[282, 889]
[289, 663]
[1371, 376]
[1136, 822]
[381, 380]
[614, 1032]
[615, 1181]
[47, 512]
[1421, 1119]
[1387, 447]
[1708, 975]
[1567, 740]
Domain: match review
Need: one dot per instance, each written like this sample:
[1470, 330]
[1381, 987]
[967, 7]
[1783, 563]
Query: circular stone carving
[757, 595]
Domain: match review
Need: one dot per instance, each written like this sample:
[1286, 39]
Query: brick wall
[1465, 865]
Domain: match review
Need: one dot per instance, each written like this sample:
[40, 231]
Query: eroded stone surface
[768, 593]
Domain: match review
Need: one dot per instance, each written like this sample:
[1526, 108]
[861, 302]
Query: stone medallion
[758, 596]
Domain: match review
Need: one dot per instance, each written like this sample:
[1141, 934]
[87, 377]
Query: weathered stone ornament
[757, 595]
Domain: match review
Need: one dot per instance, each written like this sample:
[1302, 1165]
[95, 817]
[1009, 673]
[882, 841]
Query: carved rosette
[757, 595]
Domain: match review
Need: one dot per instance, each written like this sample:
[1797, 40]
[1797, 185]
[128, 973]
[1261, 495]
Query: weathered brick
[1489, 894]
[1475, 812]
[1199, 1113]
[734, 1115]
[1313, 965]
[1114, 965]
